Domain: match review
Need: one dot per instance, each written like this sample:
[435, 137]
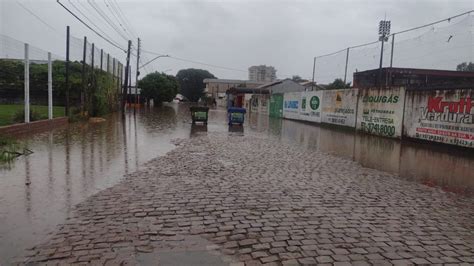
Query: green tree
[159, 87]
[338, 84]
[191, 83]
[467, 67]
[297, 79]
[101, 95]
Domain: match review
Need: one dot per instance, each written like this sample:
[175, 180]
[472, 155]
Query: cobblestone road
[253, 200]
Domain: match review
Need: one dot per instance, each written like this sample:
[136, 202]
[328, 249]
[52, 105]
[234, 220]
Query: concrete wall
[33, 127]
[380, 111]
[291, 105]
[340, 107]
[311, 106]
[445, 116]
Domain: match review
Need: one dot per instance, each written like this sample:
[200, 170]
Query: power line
[113, 12]
[90, 20]
[124, 18]
[403, 31]
[37, 17]
[89, 27]
[106, 19]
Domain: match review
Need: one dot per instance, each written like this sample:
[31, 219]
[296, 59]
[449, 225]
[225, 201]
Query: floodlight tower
[384, 32]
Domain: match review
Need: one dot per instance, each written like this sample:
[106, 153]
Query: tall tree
[467, 67]
[297, 78]
[338, 84]
[191, 83]
[159, 87]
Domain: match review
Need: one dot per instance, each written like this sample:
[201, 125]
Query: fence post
[108, 59]
[391, 52]
[101, 58]
[347, 61]
[113, 70]
[67, 71]
[50, 87]
[314, 67]
[27, 84]
[92, 63]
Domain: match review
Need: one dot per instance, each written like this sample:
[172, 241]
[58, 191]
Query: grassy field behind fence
[8, 111]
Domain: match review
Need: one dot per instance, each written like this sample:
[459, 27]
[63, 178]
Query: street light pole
[153, 60]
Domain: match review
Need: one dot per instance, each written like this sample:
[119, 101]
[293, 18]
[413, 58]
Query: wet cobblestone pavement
[251, 200]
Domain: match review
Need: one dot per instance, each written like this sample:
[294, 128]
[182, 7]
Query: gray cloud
[237, 34]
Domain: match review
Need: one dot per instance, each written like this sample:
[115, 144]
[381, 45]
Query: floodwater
[69, 164]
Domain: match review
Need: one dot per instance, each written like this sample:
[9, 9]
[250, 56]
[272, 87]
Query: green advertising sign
[314, 103]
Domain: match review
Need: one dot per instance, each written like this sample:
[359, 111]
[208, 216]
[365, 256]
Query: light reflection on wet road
[74, 162]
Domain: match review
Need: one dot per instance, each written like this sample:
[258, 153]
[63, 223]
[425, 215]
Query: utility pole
[136, 78]
[125, 83]
[129, 84]
[83, 75]
[92, 89]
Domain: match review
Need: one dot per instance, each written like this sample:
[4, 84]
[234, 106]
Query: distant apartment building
[262, 73]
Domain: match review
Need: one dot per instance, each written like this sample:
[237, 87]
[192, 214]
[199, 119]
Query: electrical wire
[40, 19]
[88, 19]
[106, 19]
[89, 27]
[117, 19]
[403, 31]
[124, 18]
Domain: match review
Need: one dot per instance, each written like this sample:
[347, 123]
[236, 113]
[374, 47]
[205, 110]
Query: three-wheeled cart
[236, 115]
[199, 114]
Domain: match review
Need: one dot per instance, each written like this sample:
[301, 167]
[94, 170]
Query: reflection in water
[236, 129]
[196, 129]
[84, 158]
[448, 168]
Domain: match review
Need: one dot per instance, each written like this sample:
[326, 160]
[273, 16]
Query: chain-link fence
[441, 45]
[36, 84]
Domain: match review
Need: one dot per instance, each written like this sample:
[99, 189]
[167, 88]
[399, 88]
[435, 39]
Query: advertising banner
[339, 107]
[445, 116]
[310, 109]
[380, 111]
[291, 105]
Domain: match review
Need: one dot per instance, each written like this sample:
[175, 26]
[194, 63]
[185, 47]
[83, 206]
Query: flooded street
[69, 164]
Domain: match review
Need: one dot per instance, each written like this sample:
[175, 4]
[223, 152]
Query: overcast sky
[234, 34]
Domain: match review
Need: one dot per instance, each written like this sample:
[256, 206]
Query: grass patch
[8, 149]
[8, 111]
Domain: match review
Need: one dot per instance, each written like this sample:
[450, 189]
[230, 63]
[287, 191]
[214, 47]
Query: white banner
[339, 107]
[291, 105]
[380, 111]
[310, 109]
[445, 116]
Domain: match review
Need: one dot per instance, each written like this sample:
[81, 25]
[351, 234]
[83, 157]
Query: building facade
[216, 88]
[262, 73]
